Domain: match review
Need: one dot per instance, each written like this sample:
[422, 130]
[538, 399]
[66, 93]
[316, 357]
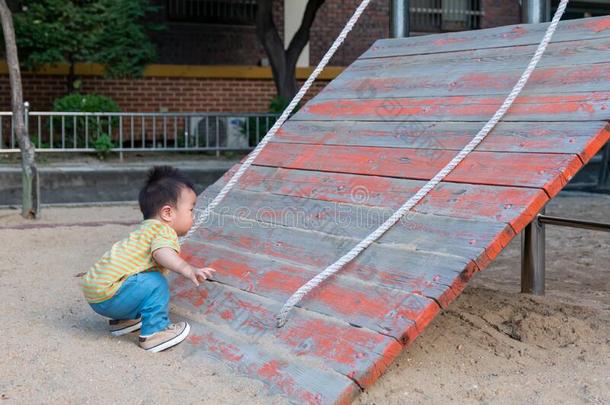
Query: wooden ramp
[353, 155]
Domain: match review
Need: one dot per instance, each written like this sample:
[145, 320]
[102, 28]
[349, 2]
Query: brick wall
[210, 44]
[156, 93]
[195, 44]
[184, 43]
[192, 44]
[500, 12]
[373, 24]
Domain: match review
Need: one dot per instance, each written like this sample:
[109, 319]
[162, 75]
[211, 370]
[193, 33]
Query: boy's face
[182, 218]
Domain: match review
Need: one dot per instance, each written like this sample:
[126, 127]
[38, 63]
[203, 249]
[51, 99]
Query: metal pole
[399, 18]
[532, 258]
[26, 117]
[604, 171]
[535, 11]
[574, 223]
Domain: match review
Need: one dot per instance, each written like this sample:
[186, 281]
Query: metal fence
[444, 15]
[138, 132]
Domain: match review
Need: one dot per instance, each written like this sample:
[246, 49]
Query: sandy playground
[493, 345]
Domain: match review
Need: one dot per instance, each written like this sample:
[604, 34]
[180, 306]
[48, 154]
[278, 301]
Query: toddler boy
[128, 284]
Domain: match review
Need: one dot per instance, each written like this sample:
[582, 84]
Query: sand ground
[493, 345]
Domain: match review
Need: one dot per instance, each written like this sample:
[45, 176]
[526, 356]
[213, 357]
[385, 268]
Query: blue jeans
[143, 295]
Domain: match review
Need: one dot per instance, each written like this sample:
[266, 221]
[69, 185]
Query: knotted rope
[356, 250]
[201, 218]
[349, 256]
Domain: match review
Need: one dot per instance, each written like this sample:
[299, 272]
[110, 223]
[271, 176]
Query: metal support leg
[604, 171]
[532, 258]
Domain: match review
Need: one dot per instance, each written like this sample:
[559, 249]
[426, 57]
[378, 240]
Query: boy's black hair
[163, 186]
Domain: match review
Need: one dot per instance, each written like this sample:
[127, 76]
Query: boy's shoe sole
[171, 342]
[123, 327]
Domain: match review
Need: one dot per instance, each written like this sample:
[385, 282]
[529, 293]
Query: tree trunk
[71, 78]
[30, 185]
[283, 62]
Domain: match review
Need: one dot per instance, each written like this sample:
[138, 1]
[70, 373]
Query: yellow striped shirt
[129, 256]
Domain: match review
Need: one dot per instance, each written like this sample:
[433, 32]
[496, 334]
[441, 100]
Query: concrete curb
[95, 183]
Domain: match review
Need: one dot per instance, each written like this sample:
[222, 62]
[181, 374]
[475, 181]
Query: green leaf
[110, 32]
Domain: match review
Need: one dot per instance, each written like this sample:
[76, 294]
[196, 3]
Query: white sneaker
[120, 327]
[171, 336]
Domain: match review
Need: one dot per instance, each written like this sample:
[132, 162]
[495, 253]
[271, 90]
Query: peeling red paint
[193, 295]
[227, 351]
[270, 369]
[516, 32]
[597, 25]
[325, 166]
[449, 41]
[455, 105]
[195, 339]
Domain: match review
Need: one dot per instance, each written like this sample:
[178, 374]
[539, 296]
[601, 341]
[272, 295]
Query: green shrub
[103, 144]
[95, 127]
[77, 102]
[43, 144]
[264, 125]
[276, 106]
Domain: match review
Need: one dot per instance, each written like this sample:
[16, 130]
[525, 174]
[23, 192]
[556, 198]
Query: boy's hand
[169, 259]
[199, 275]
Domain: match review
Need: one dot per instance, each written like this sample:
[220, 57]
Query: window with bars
[234, 12]
[444, 15]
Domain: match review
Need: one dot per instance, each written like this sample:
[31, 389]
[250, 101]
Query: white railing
[138, 131]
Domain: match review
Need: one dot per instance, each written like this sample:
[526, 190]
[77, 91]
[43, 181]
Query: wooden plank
[573, 53]
[538, 137]
[345, 178]
[589, 106]
[459, 237]
[487, 80]
[387, 311]
[548, 171]
[400, 261]
[513, 205]
[435, 244]
[314, 345]
[596, 143]
[281, 376]
[506, 36]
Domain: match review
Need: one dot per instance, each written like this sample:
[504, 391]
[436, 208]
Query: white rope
[336, 266]
[201, 218]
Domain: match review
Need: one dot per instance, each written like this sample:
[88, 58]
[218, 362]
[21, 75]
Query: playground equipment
[350, 158]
